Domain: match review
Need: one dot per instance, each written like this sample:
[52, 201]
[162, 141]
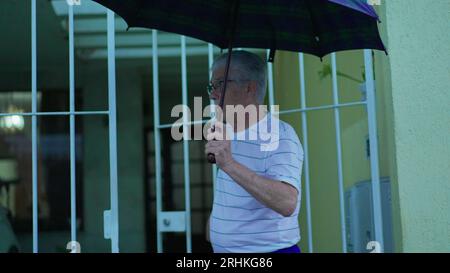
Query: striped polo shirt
[240, 223]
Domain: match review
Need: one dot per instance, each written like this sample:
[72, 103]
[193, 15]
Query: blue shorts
[292, 249]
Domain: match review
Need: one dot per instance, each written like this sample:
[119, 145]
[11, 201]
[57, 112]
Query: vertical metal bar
[112, 134]
[73, 212]
[305, 150]
[34, 125]
[373, 143]
[156, 123]
[337, 124]
[213, 109]
[270, 83]
[186, 145]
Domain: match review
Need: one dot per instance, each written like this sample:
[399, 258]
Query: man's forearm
[280, 197]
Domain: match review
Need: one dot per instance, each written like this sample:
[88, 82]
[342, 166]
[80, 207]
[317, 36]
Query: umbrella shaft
[211, 157]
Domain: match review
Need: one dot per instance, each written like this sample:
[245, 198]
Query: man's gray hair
[247, 66]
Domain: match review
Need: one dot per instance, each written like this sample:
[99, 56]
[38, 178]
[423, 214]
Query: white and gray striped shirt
[240, 223]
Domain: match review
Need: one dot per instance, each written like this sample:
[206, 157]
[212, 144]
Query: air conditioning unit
[359, 217]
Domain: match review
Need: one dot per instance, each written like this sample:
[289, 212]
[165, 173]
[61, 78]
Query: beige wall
[417, 74]
[413, 115]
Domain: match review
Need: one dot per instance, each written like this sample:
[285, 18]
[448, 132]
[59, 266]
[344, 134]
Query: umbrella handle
[210, 156]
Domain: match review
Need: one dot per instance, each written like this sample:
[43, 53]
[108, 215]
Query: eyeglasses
[218, 84]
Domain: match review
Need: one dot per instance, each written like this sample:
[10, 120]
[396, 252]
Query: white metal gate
[180, 221]
[111, 225]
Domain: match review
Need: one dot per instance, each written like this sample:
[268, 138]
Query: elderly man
[257, 193]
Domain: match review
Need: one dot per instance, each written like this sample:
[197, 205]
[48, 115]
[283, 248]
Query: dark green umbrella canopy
[317, 27]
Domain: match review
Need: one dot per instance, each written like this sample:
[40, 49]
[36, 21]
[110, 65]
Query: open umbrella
[317, 27]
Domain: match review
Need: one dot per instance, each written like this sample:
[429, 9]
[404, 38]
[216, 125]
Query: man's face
[237, 91]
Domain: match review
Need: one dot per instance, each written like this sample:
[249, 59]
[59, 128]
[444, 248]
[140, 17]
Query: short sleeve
[285, 161]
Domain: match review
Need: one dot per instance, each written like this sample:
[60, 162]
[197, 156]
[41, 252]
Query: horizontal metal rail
[55, 113]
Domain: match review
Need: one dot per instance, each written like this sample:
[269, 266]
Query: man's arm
[279, 196]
